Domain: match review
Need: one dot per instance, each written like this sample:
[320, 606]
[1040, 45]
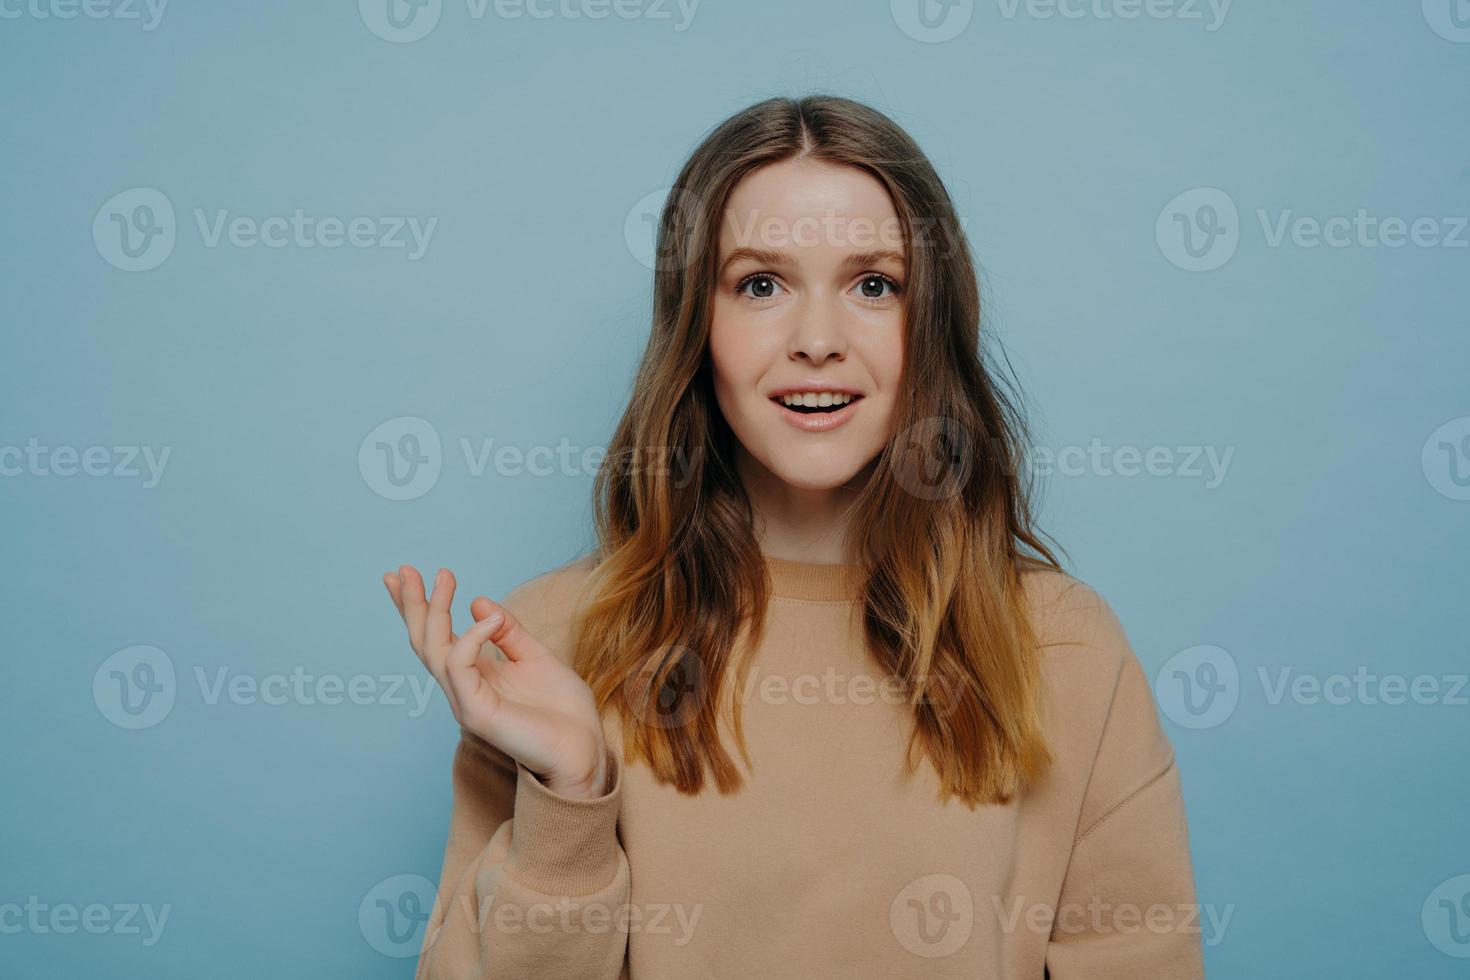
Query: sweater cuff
[565, 846]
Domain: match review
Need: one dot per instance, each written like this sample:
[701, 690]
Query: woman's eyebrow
[772, 258]
[760, 255]
[876, 257]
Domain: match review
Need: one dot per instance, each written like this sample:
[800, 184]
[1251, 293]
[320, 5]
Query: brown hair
[678, 573]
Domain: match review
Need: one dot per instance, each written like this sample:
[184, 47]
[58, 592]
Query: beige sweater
[827, 862]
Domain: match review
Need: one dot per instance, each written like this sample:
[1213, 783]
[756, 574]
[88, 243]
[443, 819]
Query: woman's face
[809, 298]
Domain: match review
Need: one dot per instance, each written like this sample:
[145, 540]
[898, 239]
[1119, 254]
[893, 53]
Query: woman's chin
[815, 474]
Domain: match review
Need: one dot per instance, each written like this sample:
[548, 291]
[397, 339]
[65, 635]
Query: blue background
[1327, 546]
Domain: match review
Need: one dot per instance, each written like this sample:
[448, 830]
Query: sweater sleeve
[533, 881]
[1127, 907]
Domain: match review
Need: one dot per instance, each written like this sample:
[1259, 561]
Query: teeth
[813, 400]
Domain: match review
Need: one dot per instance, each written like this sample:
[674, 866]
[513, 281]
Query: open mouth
[801, 408]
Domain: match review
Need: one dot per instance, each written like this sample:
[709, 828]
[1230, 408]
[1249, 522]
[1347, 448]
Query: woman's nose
[819, 332]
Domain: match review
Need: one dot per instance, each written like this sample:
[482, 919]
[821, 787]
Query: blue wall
[1151, 198]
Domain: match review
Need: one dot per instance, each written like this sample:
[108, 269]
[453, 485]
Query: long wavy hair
[942, 525]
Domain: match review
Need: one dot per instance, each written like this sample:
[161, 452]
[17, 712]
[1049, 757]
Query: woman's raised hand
[531, 705]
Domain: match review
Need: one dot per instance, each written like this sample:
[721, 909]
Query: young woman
[815, 552]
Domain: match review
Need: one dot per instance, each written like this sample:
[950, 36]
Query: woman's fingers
[415, 606]
[469, 688]
[438, 631]
[514, 640]
[480, 608]
[394, 583]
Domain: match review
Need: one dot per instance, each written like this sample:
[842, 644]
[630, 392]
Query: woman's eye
[764, 286]
[873, 286]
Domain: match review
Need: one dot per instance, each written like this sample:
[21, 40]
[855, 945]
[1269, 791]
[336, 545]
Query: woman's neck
[799, 524]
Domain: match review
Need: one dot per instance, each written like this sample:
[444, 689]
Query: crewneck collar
[814, 580]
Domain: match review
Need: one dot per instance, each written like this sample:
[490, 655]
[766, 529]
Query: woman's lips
[818, 421]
